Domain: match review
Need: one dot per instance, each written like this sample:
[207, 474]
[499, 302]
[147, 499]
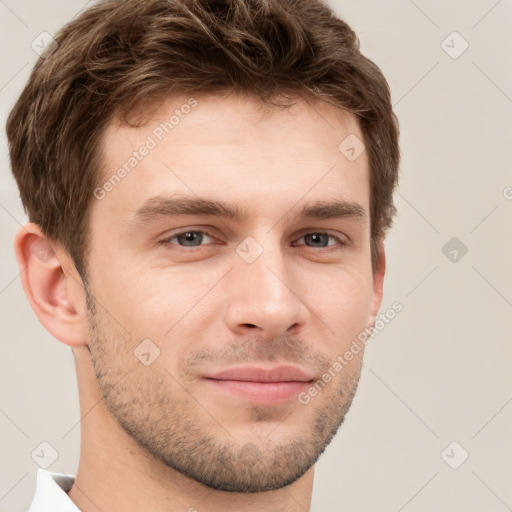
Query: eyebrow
[165, 206]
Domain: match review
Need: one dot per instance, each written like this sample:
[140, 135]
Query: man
[208, 185]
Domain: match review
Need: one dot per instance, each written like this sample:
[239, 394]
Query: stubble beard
[177, 431]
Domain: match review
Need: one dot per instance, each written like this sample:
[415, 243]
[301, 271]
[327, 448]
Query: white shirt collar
[50, 494]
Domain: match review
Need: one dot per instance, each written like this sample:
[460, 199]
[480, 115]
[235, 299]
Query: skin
[144, 428]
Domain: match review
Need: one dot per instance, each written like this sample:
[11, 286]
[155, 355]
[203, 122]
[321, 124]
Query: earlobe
[49, 286]
[378, 283]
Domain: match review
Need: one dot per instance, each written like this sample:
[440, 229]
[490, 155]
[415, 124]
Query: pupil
[189, 237]
[318, 238]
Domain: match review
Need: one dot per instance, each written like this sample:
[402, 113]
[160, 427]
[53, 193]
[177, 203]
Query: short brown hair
[120, 53]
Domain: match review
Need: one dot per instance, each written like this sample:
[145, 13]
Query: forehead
[235, 147]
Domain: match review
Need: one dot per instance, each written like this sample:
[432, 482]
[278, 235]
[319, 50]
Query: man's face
[241, 320]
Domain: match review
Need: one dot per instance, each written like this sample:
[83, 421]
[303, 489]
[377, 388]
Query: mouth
[261, 385]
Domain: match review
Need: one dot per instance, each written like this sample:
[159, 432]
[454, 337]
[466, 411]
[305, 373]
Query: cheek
[151, 301]
[344, 303]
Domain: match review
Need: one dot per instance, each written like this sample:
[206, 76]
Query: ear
[378, 283]
[52, 285]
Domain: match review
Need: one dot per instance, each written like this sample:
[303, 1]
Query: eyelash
[341, 242]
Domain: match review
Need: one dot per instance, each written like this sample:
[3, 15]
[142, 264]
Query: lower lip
[261, 392]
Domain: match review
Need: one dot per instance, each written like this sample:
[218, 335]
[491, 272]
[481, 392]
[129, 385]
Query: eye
[321, 240]
[195, 238]
[187, 238]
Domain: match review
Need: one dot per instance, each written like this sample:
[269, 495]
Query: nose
[265, 297]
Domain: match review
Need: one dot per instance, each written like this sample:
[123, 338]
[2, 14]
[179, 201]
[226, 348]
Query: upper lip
[258, 374]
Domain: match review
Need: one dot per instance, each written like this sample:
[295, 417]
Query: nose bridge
[262, 289]
[267, 274]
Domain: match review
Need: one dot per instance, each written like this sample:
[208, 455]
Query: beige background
[441, 370]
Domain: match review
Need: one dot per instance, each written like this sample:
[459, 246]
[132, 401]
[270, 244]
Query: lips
[261, 385]
[254, 374]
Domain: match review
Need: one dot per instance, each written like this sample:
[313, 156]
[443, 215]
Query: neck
[116, 474]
